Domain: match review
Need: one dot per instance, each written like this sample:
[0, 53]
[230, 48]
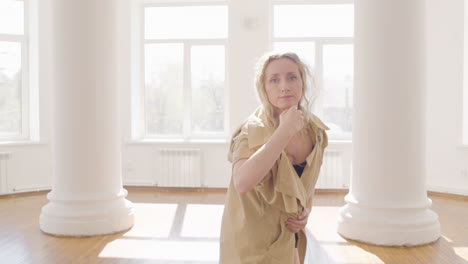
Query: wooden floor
[183, 227]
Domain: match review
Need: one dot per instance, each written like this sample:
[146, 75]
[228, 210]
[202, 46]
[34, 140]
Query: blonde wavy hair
[260, 78]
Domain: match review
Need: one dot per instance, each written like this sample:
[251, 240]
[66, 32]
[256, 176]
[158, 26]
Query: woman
[276, 156]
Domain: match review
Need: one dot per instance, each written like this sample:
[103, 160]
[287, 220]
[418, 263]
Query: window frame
[139, 129]
[320, 42]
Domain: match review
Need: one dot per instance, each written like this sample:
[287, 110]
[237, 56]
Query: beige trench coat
[253, 227]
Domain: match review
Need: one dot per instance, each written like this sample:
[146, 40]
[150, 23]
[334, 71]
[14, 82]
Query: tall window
[13, 70]
[322, 35]
[184, 58]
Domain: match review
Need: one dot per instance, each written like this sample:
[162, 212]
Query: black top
[299, 168]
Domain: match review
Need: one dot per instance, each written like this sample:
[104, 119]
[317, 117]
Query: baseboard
[26, 190]
[334, 191]
[24, 194]
[31, 188]
[454, 192]
[174, 189]
[432, 190]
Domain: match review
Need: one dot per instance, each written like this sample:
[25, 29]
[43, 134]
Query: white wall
[446, 158]
[30, 166]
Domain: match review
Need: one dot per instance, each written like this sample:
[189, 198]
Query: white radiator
[4, 157]
[332, 172]
[179, 167]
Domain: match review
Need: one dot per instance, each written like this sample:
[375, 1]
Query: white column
[87, 197]
[387, 203]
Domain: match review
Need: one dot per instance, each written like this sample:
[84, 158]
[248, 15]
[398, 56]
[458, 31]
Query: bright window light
[11, 17]
[184, 58]
[164, 109]
[305, 50]
[205, 22]
[338, 75]
[207, 88]
[10, 88]
[313, 21]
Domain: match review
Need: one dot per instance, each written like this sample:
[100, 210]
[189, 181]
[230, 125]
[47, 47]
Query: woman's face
[283, 84]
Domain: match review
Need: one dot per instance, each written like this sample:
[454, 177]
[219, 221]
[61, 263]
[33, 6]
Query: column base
[87, 217]
[389, 226]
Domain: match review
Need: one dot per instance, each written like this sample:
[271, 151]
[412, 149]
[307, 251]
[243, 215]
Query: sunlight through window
[324, 231]
[168, 250]
[351, 254]
[152, 220]
[202, 220]
[462, 252]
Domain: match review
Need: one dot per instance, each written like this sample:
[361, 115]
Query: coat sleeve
[239, 148]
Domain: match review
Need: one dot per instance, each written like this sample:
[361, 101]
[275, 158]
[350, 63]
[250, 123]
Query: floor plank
[183, 227]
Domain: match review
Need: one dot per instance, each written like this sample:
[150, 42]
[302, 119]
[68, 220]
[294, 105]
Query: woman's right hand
[291, 120]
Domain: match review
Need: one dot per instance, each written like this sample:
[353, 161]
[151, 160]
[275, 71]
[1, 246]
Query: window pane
[305, 51]
[203, 22]
[313, 20]
[208, 88]
[11, 17]
[164, 89]
[338, 88]
[10, 88]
